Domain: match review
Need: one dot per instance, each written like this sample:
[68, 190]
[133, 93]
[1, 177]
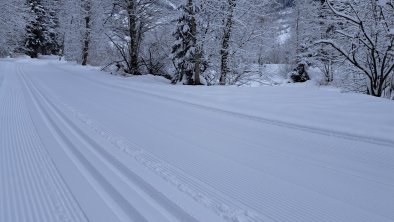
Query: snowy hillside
[79, 145]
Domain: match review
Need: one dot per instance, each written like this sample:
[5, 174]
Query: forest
[344, 43]
[196, 110]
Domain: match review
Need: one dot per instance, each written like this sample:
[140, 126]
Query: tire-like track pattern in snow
[103, 185]
[32, 190]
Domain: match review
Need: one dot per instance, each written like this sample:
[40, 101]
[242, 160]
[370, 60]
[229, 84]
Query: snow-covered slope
[80, 145]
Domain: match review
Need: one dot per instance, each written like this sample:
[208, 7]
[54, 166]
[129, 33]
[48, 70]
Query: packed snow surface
[77, 144]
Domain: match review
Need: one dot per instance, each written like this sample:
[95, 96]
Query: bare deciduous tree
[228, 29]
[365, 41]
[131, 19]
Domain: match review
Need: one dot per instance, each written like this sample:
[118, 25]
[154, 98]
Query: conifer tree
[187, 54]
[41, 31]
[13, 26]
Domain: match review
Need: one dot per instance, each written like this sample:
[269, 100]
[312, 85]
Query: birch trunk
[224, 52]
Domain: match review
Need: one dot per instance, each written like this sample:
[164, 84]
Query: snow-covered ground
[77, 144]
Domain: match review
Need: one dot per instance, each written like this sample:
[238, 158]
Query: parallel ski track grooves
[163, 201]
[165, 166]
[128, 89]
[196, 188]
[366, 156]
[117, 110]
[326, 132]
[127, 209]
[40, 191]
[2, 77]
[196, 185]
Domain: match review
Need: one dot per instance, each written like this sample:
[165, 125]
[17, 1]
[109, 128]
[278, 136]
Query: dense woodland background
[346, 43]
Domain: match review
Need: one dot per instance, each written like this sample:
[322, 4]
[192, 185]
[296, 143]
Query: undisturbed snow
[77, 144]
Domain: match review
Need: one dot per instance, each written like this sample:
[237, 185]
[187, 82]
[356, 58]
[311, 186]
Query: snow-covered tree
[311, 22]
[227, 32]
[41, 30]
[364, 39]
[306, 29]
[286, 3]
[230, 32]
[250, 36]
[13, 26]
[84, 27]
[130, 20]
[187, 50]
[71, 24]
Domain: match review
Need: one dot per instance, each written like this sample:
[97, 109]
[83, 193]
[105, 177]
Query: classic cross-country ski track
[77, 145]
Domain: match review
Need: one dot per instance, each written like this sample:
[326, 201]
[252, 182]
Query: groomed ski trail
[118, 154]
[31, 187]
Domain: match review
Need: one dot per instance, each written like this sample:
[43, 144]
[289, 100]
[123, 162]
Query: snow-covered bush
[300, 73]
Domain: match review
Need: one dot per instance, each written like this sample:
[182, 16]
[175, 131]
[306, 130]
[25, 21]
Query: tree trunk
[298, 44]
[197, 68]
[134, 38]
[86, 42]
[224, 52]
[197, 53]
[33, 54]
[86, 39]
